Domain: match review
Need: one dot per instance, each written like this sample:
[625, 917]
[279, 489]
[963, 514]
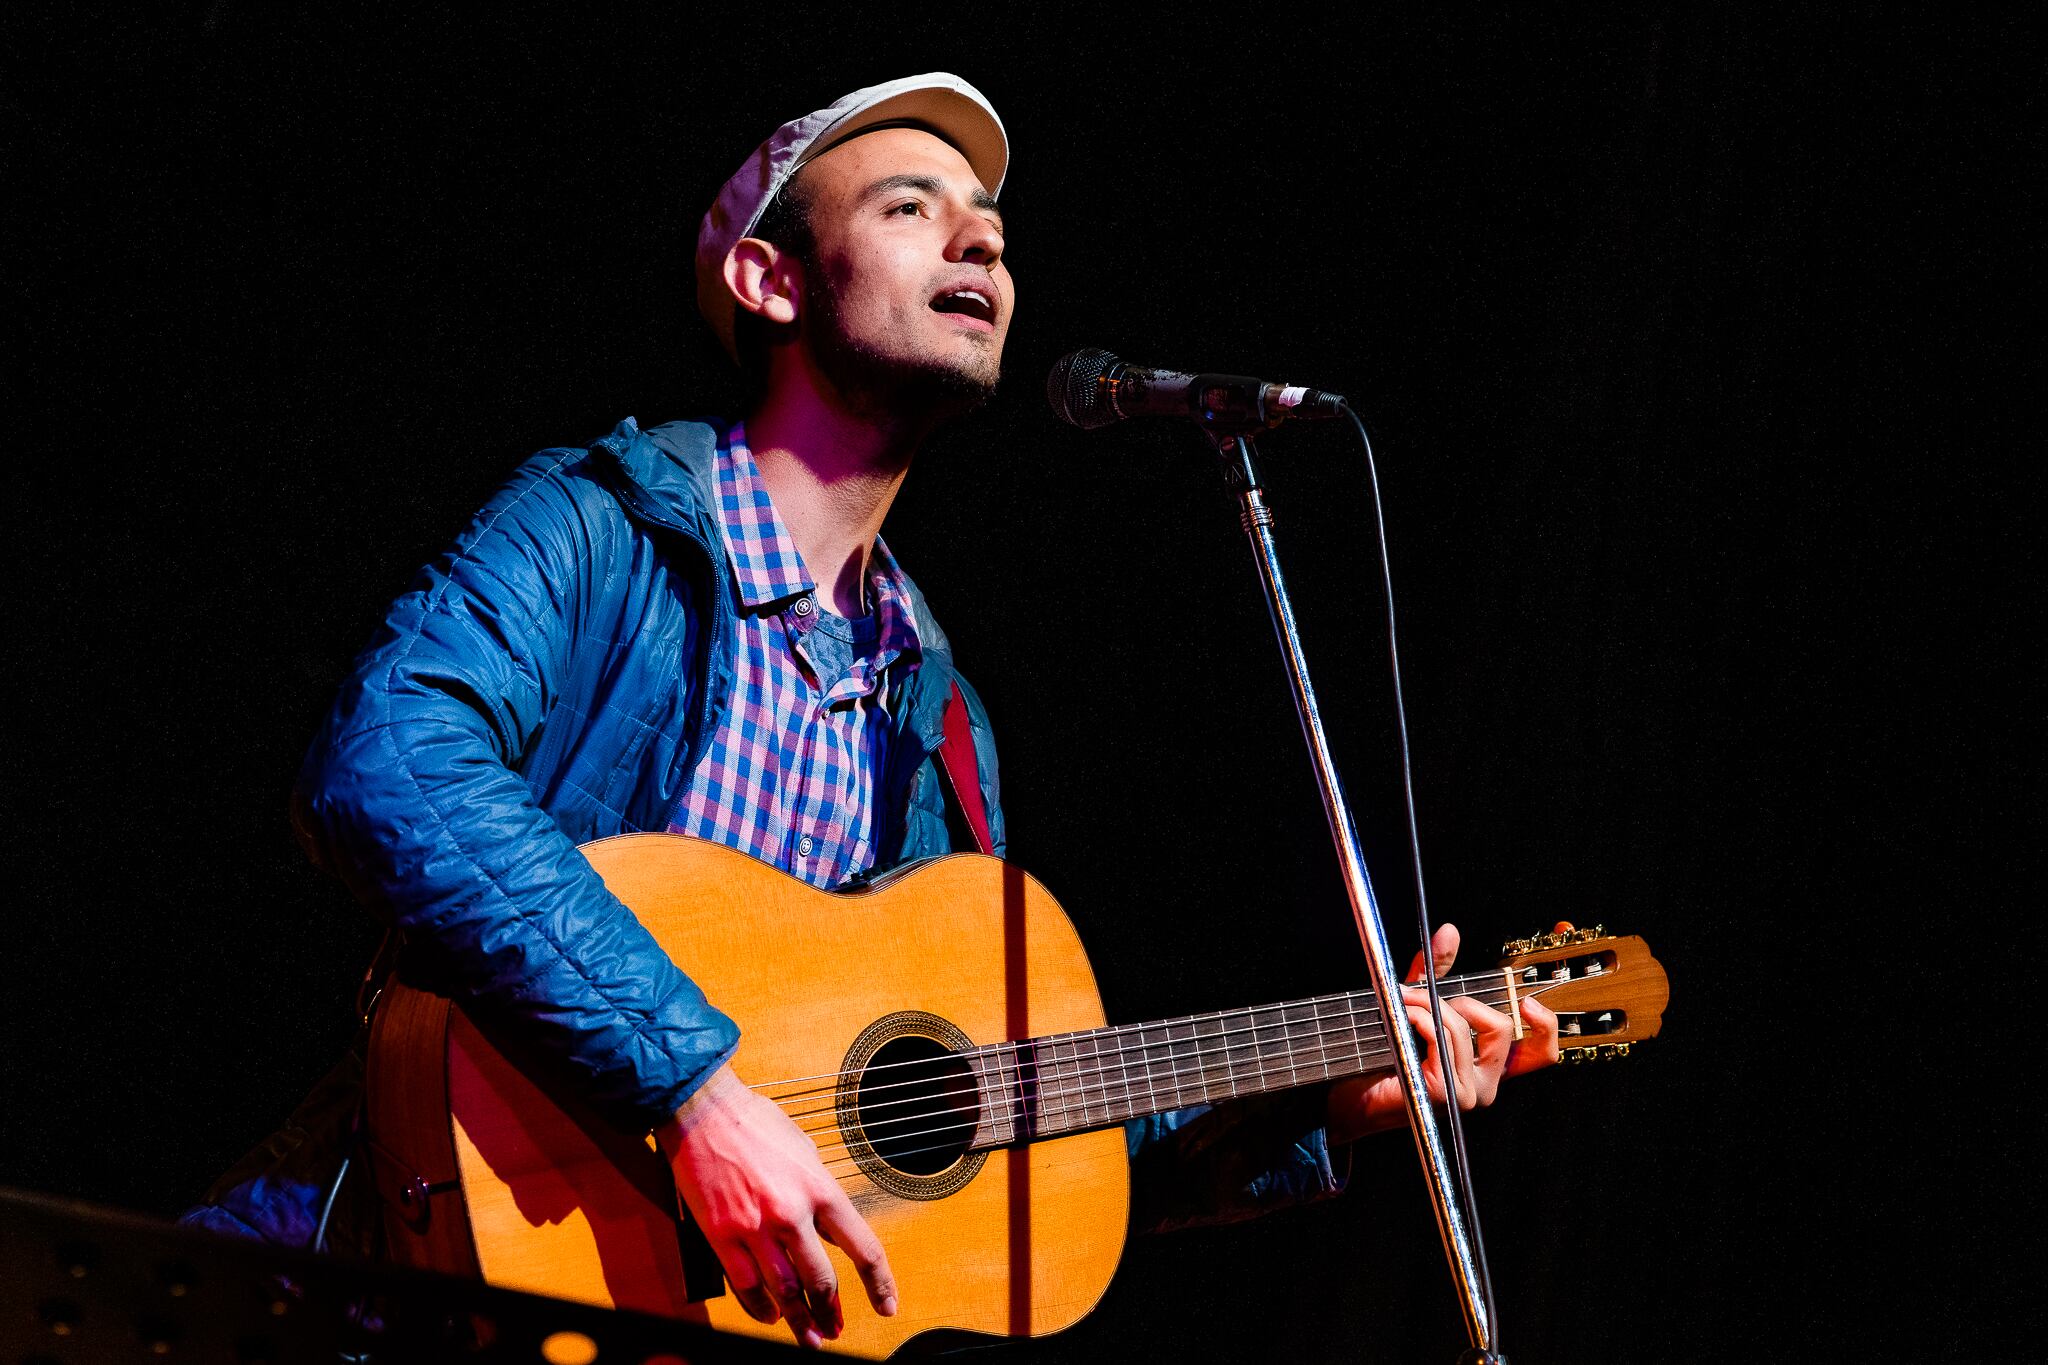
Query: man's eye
[912, 207]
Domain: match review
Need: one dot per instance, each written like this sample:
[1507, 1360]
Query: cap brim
[948, 115]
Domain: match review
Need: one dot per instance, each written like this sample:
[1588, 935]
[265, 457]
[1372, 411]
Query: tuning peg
[1565, 935]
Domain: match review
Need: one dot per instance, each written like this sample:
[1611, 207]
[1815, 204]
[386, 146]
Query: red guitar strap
[956, 757]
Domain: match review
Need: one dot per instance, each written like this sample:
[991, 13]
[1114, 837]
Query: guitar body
[938, 1035]
[1011, 1240]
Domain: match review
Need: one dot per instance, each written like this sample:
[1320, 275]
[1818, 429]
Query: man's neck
[832, 475]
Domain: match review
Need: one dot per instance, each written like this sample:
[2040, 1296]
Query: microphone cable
[1436, 1011]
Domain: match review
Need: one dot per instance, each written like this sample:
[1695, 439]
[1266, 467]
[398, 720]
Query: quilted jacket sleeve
[1224, 1163]
[410, 793]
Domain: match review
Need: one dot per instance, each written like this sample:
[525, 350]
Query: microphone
[1092, 388]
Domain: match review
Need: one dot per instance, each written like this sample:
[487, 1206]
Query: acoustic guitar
[938, 1034]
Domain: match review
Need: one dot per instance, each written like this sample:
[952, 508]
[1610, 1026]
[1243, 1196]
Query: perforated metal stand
[1241, 473]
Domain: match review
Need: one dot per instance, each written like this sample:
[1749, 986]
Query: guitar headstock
[1607, 991]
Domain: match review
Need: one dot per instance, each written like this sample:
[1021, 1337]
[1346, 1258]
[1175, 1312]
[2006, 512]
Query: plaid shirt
[790, 775]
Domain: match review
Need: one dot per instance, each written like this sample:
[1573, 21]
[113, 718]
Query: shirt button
[803, 606]
[803, 846]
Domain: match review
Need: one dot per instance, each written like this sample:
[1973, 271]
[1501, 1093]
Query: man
[697, 628]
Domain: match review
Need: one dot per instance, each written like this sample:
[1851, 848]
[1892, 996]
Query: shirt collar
[765, 562]
[895, 623]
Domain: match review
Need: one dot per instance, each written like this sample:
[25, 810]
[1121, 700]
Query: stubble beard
[889, 388]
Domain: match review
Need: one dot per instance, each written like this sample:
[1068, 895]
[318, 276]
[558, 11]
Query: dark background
[1679, 334]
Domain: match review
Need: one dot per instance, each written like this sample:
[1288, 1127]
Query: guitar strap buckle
[375, 974]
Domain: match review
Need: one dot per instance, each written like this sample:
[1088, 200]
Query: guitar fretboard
[1070, 1082]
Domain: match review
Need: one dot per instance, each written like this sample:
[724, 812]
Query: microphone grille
[1076, 391]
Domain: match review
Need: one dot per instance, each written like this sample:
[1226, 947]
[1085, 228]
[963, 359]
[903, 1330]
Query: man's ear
[764, 279]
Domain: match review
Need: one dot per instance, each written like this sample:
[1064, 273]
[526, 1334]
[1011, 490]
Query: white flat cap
[946, 105]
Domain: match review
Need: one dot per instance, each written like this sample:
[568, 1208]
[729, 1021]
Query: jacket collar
[669, 475]
[666, 475]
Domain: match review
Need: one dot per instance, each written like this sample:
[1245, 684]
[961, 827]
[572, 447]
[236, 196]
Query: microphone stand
[1241, 473]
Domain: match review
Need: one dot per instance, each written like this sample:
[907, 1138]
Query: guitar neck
[1070, 1082]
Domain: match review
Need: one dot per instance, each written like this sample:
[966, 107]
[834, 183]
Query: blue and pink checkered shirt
[790, 775]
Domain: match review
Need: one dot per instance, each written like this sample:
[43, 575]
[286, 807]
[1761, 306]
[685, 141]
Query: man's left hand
[1483, 1049]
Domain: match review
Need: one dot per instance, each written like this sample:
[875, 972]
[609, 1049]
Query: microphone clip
[1238, 459]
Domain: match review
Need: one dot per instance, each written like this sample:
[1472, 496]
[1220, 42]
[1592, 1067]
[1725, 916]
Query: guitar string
[1072, 1082]
[848, 1158]
[1072, 1039]
[1069, 1097]
[1075, 1078]
[1490, 976]
[1362, 1060]
[1073, 1043]
[1050, 1039]
[1059, 1105]
[1117, 1058]
[1377, 1054]
[1074, 1073]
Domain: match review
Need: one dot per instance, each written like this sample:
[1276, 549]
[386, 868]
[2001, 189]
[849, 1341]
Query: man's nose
[977, 241]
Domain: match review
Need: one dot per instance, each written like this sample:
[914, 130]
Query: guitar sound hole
[917, 1105]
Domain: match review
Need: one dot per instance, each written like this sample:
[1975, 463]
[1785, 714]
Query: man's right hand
[756, 1187]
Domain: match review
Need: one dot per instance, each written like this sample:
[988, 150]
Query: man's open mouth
[971, 302]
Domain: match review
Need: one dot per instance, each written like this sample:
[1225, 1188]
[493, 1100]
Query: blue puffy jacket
[550, 680]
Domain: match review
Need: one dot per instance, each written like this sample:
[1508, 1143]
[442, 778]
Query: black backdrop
[1676, 332]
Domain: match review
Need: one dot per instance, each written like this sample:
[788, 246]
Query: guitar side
[559, 1203]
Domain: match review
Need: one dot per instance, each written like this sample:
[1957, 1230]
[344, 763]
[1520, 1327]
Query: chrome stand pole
[1241, 473]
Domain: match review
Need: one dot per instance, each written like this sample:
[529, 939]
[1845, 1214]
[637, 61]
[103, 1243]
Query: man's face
[906, 297]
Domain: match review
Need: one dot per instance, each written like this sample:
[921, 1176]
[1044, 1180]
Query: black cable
[1436, 1011]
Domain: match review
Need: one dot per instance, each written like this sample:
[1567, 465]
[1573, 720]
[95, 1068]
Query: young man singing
[697, 628]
